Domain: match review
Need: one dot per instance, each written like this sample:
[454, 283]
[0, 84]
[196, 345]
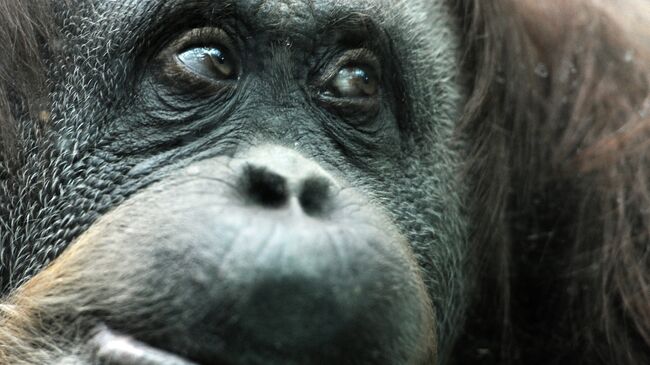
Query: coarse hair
[558, 129]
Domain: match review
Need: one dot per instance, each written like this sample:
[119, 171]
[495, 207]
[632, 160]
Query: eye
[213, 62]
[353, 81]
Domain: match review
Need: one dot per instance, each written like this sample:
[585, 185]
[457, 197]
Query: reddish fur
[559, 122]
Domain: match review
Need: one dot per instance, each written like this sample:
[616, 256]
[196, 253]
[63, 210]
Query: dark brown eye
[354, 82]
[210, 62]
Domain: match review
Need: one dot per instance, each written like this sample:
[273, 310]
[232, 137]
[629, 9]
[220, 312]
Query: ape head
[312, 182]
[241, 182]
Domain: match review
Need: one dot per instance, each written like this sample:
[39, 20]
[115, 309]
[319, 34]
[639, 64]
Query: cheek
[426, 202]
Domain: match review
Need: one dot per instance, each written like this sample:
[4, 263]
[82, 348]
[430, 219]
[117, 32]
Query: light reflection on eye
[211, 62]
[354, 81]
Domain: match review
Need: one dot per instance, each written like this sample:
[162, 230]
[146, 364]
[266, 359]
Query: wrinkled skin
[257, 219]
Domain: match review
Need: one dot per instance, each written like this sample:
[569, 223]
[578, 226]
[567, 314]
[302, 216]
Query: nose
[269, 189]
[273, 177]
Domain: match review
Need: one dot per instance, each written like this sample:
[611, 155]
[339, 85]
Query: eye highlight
[354, 82]
[212, 62]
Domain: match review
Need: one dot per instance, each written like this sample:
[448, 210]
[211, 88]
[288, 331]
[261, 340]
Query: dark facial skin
[246, 182]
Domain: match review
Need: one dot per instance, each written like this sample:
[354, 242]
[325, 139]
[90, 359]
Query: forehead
[123, 20]
[291, 4]
[277, 8]
[263, 12]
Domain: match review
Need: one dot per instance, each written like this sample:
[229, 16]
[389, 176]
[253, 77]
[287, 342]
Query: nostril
[315, 195]
[265, 187]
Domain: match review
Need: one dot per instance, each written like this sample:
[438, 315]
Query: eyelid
[353, 57]
[174, 74]
[356, 110]
[200, 37]
[194, 58]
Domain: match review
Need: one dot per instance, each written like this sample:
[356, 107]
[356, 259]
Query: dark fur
[558, 121]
